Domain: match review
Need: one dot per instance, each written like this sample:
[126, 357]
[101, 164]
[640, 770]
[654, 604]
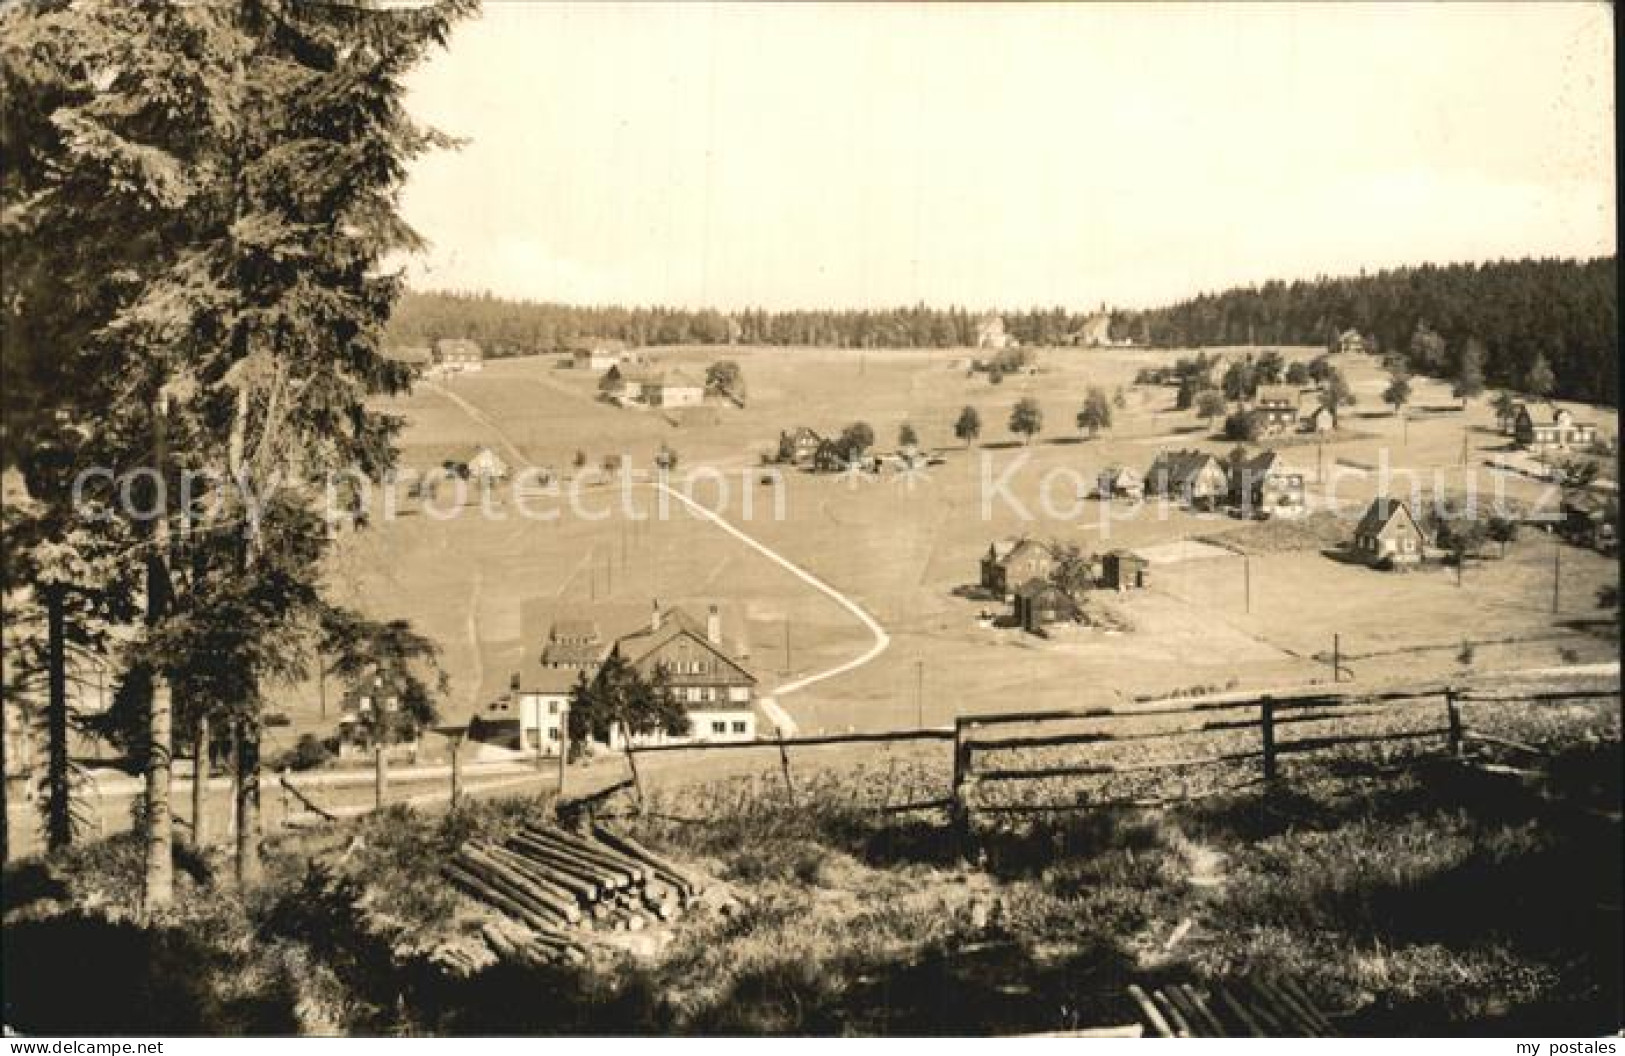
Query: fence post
[1453, 712]
[380, 782]
[456, 770]
[784, 760]
[1266, 707]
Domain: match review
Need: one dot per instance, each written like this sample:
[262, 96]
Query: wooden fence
[1275, 726]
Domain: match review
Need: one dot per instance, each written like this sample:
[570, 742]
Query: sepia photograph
[758, 520]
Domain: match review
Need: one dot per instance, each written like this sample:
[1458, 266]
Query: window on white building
[739, 727]
[719, 727]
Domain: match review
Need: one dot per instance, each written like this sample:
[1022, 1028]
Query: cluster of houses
[1264, 485]
[806, 449]
[1019, 572]
[705, 663]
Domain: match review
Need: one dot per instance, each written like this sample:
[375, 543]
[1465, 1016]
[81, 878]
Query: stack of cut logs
[551, 881]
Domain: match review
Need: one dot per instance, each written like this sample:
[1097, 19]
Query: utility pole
[1337, 658]
[1247, 579]
[1557, 569]
[787, 645]
[919, 694]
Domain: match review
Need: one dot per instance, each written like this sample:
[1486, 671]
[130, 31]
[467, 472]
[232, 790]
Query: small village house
[1275, 409]
[597, 353]
[990, 333]
[799, 446]
[486, 466]
[1039, 604]
[370, 705]
[1124, 570]
[1120, 482]
[1196, 478]
[457, 355]
[1351, 341]
[831, 456]
[1559, 434]
[652, 388]
[1388, 536]
[1011, 562]
[1318, 419]
[1266, 485]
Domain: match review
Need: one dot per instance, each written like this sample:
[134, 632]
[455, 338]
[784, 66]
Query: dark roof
[1180, 466]
[1380, 513]
[1278, 394]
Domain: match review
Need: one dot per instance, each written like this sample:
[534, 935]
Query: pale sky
[852, 155]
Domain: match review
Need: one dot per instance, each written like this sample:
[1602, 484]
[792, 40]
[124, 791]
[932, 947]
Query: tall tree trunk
[160, 879]
[200, 781]
[58, 804]
[248, 805]
[159, 888]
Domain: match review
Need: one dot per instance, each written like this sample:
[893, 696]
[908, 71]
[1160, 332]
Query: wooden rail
[1274, 717]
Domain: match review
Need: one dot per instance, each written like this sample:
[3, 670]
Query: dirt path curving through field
[776, 714]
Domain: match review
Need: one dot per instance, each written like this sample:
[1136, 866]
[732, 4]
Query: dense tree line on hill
[1500, 320]
[1503, 318]
[509, 327]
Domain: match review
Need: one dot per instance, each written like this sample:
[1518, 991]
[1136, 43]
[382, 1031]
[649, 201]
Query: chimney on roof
[713, 626]
[654, 616]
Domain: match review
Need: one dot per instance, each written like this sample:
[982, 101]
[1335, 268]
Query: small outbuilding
[1040, 604]
[1124, 570]
[1388, 536]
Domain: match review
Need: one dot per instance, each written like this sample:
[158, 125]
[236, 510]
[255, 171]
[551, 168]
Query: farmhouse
[705, 669]
[1120, 482]
[1318, 419]
[1275, 409]
[371, 704]
[652, 388]
[799, 446]
[831, 456]
[457, 355]
[597, 353]
[1558, 434]
[1350, 341]
[1194, 477]
[1124, 570]
[1014, 561]
[1266, 485]
[487, 465]
[1039, 604]
[1388, 535]
[990, 333]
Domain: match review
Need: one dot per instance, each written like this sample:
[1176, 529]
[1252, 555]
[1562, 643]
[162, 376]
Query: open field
[900, 545]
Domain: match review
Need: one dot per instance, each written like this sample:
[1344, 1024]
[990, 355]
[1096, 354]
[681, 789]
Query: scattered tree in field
[969, 425]
[391, 655]
[1242, 425]
[1071, 571]
[724, 378]
[907, 438]
[1540, 381]
[1026, 418]
[1096, 413]
[1320, 368]
[1427, 349]
[1120, 399]
[856, 439]
[1398, 392]
[1502, 530]
[995, 377]
[1469, 371]
[620, 698]
[1210, 405]
[1270, 367]
[1297, 373]
[580, 459]
[1335, 392]
[666, 459]
[1506, 410]
[1240, 379]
